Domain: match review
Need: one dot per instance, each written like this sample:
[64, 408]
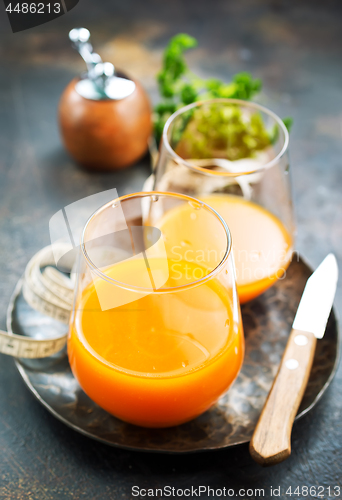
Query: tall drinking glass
[233, 155]
[155, 334]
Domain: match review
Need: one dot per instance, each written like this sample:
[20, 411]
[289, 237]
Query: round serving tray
[267, 322]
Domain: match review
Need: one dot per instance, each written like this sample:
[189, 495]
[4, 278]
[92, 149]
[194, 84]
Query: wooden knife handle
[271, 441]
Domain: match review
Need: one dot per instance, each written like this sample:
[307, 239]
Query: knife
[271, 441]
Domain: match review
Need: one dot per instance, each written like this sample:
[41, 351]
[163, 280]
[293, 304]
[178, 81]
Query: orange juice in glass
[232, 155]
[155, 337]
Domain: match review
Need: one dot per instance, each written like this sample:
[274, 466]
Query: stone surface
[296, 48]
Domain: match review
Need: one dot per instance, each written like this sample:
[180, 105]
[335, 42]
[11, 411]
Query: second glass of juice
[233, 155]
[156, 334]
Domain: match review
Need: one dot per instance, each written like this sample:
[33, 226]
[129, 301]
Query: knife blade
[271, 440]
[317, 299]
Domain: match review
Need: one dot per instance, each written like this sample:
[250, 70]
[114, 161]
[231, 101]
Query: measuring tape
[48, 291]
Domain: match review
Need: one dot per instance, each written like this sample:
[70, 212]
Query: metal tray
[267, 322]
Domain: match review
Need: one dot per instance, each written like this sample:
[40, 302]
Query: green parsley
[178, 86]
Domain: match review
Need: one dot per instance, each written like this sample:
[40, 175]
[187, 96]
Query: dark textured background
[296, 48]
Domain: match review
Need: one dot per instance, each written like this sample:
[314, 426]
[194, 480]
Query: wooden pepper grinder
[105, 118]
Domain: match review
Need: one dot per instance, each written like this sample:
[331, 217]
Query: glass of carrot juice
[232, 155]
[156, 335]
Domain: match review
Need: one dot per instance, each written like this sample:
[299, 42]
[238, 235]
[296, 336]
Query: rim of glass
[249, 104]
[146, 194]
